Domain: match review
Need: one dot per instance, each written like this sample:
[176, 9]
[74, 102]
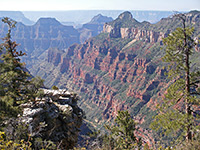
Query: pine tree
[17, 85]
[122, 133]
[13, 75]
[177, 114]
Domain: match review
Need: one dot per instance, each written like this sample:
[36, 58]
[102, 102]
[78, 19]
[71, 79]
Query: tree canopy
[122, 133]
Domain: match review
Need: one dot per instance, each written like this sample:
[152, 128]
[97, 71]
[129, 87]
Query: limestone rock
[56, 117]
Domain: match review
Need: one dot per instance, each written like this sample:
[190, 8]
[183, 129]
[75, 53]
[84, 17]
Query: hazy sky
[32, 5]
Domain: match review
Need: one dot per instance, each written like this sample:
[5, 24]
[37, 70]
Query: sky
[44, 5]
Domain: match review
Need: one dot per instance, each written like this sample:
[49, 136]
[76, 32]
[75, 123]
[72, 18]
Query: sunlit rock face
[56, 117]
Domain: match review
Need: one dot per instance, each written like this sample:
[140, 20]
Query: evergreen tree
[17, 86]
[122, 133]
[177, 115]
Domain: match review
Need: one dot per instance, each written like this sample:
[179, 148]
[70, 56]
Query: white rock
[32, 112]
[65, 108]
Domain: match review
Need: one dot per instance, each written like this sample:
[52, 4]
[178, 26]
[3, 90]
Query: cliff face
[113, 79]
[135, 33]
[46, 33]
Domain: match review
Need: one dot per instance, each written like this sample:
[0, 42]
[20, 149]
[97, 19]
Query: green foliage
[122, 133]
[176, 117]
[44, 144]
[192, 145]
[16, 84]
[55, 87]
[13, 144]
[15, 136]
[6, 144]
[177, 50]
[120, 136]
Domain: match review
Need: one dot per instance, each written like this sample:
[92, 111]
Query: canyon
[119, 69]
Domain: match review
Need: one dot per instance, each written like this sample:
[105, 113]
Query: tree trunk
[187, 88]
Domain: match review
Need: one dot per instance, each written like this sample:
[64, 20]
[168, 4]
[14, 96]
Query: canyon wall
[120, 69]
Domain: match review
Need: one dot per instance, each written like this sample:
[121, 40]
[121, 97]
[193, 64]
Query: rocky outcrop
[107, 28]
[134, 33]
[127, 27]
[125, 20]
[55, 117]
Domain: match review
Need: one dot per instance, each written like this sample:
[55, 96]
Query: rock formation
[45, 34]
[127, 27]
[55, 117]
